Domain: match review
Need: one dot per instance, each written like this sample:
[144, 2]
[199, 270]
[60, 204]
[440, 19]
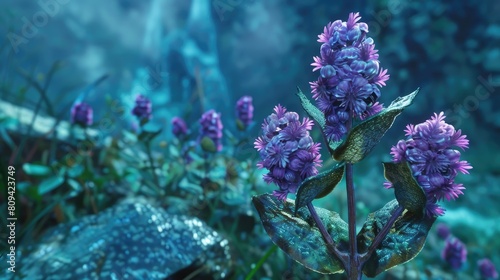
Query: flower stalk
[422, 174]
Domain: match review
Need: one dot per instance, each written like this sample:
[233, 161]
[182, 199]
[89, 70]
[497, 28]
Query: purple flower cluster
[142, 108]
[287, 151]
[211, 127]
[179, 127]
[487, 269]
[434, 163]
[454, 253]
[244, 110]
[443, 231]
[350, 75]
[82, 114]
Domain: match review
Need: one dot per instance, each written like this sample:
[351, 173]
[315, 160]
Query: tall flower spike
[443, 231]
[350, 76]
[179, 127]
[244, 110]
[82, 114]
[434, 163]
[211, 127]
[142, 109]
[487, 269]
[287, 151]
[454, 253]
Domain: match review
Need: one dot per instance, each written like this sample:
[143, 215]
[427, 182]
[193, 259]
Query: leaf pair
[365, 136]
[298, 235]
[403, 243]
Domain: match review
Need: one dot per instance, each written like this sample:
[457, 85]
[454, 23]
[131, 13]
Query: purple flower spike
[244, 110]
[142, 108]
[82, 114]
[287, 151]
[350, 74]
[434, 163]
[443, 231]
[179, 127]
[454, 253]
[211, 127]
[487, 269]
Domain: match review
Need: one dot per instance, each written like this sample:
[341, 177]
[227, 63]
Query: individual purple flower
[487, 269]
[142, 108]
[433, 161]
[372, 111]
[82, 114]
[244, 110]
[350, 76]
[287, 151]
[443, 231]
[179, 127]
[454, 253]
[211, 127]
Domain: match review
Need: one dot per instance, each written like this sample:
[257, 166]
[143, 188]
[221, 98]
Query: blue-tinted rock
[132, 240]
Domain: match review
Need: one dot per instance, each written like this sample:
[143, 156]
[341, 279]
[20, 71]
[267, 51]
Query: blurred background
[191, 56]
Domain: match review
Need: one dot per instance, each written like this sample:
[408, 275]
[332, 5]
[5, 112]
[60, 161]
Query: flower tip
[353, 18]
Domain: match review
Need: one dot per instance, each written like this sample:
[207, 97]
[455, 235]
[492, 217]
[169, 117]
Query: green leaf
[174, 151]
[144, 121]
[22, 187]
[6, 138]
[407, 191]
[318, 186]
[298, 235]
[129, 137]
[240, 125]
[404, 241]
[311, 110]
[49, 184]
[208, 145]
[190, 187]
[317, 116]
[365, 136]
[75, 185]
[77, 188]
[148, 135]
[36, 169]
[75, 170]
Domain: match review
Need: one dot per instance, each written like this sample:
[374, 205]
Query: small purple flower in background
[211, 127]
[287, 151]
[190, 145]
[443, 231]
[82, 114]
[350, 75]
[179, 127]
[454, 253]
[142, 108]
[487, 269]
[434, 163]
[244, 110]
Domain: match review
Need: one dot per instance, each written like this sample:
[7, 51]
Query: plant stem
[383, 233]
[354, 267]
[261, 262]
[328, 239]
[151, 162]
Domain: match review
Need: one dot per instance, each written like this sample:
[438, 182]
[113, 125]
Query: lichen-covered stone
[133, 240]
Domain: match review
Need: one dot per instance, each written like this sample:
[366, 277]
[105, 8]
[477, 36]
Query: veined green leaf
[365, 136]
